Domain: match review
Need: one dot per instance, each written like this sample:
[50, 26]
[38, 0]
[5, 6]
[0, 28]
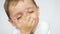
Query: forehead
[20, 7]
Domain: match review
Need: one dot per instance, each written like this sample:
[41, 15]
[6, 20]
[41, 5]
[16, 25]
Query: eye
[19, 17]
[31, 11]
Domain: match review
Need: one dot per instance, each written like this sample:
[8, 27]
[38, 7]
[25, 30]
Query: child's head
[13, 3]
[18, 9]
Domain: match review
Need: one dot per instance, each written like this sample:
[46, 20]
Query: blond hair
[7, 3]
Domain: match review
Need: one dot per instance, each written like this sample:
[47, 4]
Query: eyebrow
[30, 8]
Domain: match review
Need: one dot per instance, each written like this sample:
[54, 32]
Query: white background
[49, 12]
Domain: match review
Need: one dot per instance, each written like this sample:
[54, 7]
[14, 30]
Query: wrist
[24, 32]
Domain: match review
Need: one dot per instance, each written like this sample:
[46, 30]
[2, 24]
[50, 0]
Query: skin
[24, 16]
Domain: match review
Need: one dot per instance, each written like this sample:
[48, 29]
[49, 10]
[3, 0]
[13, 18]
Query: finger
[30, 22]
[33, 22]
[23, 19]
[28, 18]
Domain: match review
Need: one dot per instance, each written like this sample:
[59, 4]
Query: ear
[13, 24]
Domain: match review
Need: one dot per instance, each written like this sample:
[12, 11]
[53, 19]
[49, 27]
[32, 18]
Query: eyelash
[31, 11]
[19, 17]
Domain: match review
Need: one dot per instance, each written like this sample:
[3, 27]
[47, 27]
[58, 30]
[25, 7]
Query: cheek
[17, 22]
[34, 15]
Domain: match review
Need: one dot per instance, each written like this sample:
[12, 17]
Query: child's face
[23, 10]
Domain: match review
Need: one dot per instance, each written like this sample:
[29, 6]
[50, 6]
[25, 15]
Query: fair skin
[24, 16]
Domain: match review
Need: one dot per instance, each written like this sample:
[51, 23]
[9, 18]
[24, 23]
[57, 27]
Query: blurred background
[49, 12]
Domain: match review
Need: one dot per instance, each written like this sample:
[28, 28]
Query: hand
[26, 24]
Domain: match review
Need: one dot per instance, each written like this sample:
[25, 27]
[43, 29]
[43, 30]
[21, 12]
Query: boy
[23, 14]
